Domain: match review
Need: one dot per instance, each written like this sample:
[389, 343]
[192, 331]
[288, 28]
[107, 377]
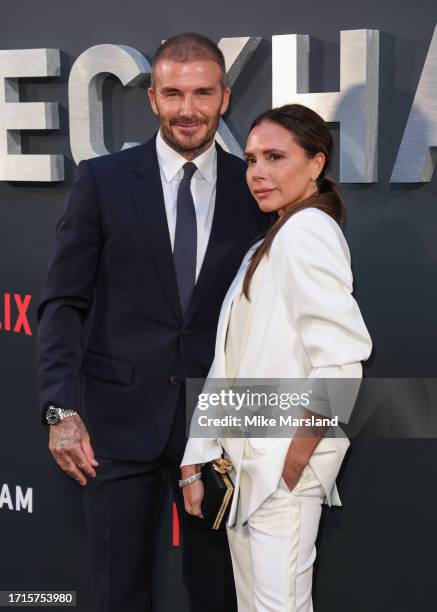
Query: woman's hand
[291, 474]
[193, 498]
[301, 448]
[193, 493]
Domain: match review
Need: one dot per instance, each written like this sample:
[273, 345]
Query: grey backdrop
[377, 552]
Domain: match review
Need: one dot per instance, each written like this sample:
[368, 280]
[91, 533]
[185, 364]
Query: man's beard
[197, 147]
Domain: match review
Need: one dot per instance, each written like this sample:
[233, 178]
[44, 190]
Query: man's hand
[193, 493]
[71, 448]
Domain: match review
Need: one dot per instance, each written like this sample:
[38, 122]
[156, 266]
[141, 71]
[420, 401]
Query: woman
[288, 314]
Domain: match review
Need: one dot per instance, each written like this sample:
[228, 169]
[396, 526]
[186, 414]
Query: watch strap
[62, 414]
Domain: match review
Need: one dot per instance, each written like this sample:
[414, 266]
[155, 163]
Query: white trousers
[273, 553]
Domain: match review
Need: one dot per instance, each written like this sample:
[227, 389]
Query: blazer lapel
[220, 244]
[148, 198]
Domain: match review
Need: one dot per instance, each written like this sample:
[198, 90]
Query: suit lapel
[220, 244]
[148, 198]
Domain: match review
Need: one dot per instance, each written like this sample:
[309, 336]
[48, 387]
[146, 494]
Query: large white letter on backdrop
[85, 87]
[237, 52]
[417, 155]
[355, 106]
[16, 116]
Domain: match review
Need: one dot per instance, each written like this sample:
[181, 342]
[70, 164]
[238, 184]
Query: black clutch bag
[218, 491]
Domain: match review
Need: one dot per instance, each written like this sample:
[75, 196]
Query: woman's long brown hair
[311, 132]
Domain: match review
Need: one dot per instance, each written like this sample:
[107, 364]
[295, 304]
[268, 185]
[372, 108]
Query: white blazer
[304, 322]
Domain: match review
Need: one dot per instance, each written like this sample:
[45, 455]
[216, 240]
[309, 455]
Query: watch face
[52, 416]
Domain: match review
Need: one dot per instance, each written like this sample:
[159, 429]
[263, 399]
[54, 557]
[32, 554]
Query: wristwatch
[56, 415]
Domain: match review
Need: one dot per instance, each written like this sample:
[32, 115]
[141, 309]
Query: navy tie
[185, 242]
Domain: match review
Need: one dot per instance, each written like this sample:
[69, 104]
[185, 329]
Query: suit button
[173, 380]
[184, 332]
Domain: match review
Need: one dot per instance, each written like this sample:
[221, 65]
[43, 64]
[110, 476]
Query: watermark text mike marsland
[258, 420]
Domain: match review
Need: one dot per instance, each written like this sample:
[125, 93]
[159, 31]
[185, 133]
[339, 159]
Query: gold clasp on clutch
[222, 465]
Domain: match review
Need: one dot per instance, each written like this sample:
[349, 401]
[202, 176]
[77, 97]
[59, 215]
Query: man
[147, 245]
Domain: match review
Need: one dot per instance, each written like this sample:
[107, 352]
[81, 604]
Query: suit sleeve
[68, 295]
[315, 273]
[317, 279]
[201, 449]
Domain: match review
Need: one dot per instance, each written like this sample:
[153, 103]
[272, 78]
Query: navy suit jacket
[112, 342]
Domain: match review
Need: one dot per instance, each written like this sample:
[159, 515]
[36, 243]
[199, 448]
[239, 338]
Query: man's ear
[152, 99]
[225, 102]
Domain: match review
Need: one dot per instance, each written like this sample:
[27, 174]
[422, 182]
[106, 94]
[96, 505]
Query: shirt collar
[171, 162]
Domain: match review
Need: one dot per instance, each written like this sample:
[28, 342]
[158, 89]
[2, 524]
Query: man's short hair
[190, 47]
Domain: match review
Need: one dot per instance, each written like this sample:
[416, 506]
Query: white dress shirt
[203, 190]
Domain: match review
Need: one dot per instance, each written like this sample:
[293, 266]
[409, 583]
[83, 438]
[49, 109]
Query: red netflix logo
[15, 313]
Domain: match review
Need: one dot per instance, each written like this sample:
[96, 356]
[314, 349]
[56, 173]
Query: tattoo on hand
[68, 433]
